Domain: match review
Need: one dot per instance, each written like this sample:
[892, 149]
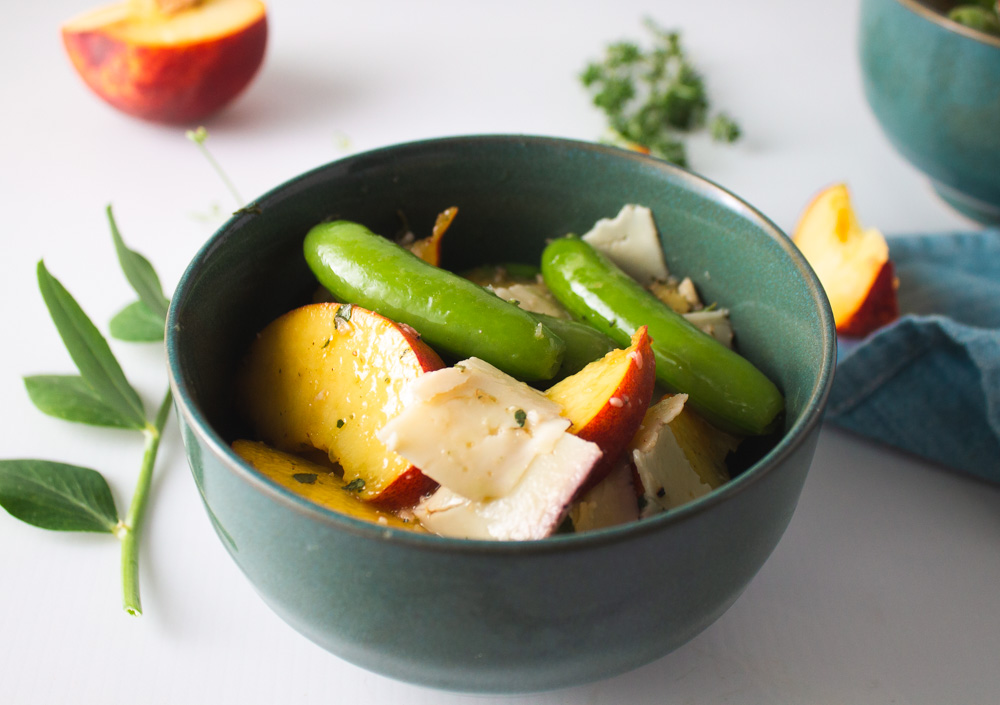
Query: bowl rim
[808, 419]
[950, 25]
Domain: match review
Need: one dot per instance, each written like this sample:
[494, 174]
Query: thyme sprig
[654, 97]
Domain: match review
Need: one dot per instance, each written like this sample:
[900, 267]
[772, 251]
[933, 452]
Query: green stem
[222, 174]
[131, 529]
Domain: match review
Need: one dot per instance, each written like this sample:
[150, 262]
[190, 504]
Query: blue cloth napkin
[929, 383]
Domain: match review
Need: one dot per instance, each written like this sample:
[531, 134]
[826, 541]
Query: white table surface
[884, 588]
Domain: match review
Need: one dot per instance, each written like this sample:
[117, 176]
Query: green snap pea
[452, 314]
[721, 385]
[584, 344]
[981, 16]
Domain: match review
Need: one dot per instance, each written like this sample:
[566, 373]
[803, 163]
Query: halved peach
[329, 376]
[316, 483]
[173, 61]
[606, 400]
[852, 263]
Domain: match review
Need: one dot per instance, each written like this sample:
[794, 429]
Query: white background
[884, 588]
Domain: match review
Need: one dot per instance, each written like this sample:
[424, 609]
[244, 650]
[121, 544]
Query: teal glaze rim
[810, 417]
[918, 8]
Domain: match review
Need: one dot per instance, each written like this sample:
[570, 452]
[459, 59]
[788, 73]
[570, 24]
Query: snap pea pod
[452, 314]
[584, 344]
[723, 386]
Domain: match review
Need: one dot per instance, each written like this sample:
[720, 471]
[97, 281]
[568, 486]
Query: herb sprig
[63, 497]
[653, 98]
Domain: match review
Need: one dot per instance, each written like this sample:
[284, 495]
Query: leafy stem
[62, 497]
[199, 136]
[130, 530]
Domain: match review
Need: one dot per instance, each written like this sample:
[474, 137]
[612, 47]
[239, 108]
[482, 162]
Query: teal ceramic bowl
[934, 86]
[486, 616]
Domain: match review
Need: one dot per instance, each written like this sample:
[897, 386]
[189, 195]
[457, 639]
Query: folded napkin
[929, 383]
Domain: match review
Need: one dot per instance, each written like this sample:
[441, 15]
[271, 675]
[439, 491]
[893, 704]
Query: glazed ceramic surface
[485, 616]
[934, 86]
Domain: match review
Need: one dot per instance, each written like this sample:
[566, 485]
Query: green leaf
[70, 398]
[140, 273]
[137, 324]
[57, 496]
[89, 350]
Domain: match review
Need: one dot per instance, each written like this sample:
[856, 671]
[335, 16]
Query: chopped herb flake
[340, 423]
[306, 478]
[355, 485]
[520, 417]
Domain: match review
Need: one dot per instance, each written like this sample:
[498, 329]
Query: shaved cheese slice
[473, 429]
[533, 509]
[632, 242]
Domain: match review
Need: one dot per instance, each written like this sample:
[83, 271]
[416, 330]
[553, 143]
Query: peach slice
[610, 502]
[852, 263]
[172, 61]
[429, 248]
[329, 376]
[606, 400]
[316, 483]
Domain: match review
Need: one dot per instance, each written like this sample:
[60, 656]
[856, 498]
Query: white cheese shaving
[632, 242]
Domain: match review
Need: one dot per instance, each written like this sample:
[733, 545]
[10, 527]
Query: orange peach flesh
[429, 248]
[315, 380]
[851, 263]
[315, 483]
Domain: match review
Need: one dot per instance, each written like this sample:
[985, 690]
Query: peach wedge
[606, 400]
[328, 376]
[852, 263]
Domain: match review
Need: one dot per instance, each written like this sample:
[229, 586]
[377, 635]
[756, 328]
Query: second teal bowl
[487, 616]
[934, 86]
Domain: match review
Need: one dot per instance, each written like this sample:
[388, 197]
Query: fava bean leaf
[57, 496]
[70, 398]
[90, 350]
[139, 273]
[137, 324]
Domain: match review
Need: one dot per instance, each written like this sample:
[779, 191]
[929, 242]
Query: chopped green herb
[326, 343]
[340, 423]
[653, 98]
[566, 527]
[251, 209]
[724, 129]
[306, 478]
[355, 485]
[520, 417]
[982, 16]
[344, 312]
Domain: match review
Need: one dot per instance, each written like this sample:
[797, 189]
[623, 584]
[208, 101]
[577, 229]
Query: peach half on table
[607, 399]
[170, 61]
[328, 376]
[852, 263]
